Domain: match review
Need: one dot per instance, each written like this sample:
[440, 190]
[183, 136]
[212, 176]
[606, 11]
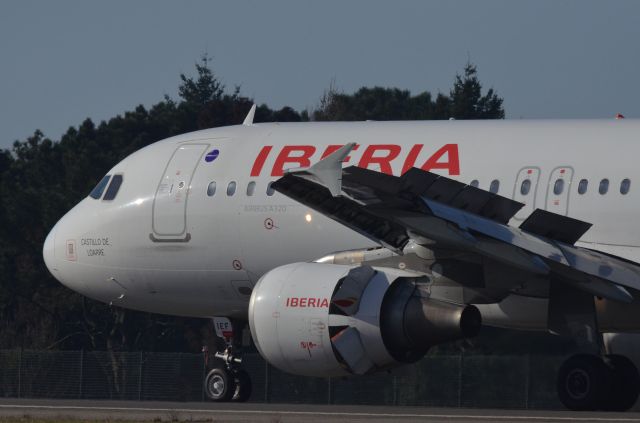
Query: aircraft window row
[493, 187]
[211, 188]
[559, 185]
[603, 187]
[112, 189]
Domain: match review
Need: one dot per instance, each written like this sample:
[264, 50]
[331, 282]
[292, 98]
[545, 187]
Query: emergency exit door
[558, 190]
[172, 194]
[525, 190]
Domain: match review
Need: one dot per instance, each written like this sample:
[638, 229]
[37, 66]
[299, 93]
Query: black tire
[583, 382]
[219, 385]
[243, 386]
[625, 384]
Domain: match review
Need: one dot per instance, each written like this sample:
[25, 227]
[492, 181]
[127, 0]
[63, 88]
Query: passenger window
[251, 188]
[525, 187]
[558, 187]
[582, 186]
[624, 186]
[114, 187]
[211, 189]
[231, 188]
[270, 190]
[604, 186]
[475, 183]
[99, 189]
[495, 186]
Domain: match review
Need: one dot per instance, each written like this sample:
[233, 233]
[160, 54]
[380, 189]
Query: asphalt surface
[83, 410]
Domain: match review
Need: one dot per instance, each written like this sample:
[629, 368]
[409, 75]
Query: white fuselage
[165, 245]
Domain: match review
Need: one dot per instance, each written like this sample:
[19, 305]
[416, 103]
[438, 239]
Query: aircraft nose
[49, 253]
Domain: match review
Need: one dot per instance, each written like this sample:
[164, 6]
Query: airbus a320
[352, 248]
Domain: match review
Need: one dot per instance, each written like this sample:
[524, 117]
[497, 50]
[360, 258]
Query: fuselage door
[558, 190]
[525, 190]
[169, 219]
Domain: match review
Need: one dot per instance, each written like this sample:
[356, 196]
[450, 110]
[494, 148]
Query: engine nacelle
[333, 320]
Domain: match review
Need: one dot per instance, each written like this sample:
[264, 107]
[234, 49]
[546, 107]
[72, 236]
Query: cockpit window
[99, 189]
[114, 186]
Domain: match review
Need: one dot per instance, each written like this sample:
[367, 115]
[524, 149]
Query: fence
[525, 381]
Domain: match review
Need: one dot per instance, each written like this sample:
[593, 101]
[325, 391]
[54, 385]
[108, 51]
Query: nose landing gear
[227, 381]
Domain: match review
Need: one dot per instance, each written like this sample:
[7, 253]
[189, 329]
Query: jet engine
[318, 319]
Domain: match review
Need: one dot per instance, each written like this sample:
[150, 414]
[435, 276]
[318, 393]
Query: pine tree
[467, 101]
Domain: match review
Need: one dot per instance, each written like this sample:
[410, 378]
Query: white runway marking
[331, 413]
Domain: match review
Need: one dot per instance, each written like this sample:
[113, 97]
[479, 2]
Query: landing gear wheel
[625, 384]
[219, 385]
[243, 386]
[583, 382]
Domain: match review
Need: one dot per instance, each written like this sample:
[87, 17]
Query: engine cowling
[333, 320]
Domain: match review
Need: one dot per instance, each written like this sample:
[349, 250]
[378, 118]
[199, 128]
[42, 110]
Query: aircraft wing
[440, 212]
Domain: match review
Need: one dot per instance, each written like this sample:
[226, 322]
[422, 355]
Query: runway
[271, 413]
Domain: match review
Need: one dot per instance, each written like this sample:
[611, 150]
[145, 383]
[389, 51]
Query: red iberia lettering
[260, 159]
[452, 163]
[369, 158]
[300, 155]
[380, 157]
[410, 161]
[307, 302]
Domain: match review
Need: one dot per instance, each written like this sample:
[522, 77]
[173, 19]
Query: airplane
[349, 248]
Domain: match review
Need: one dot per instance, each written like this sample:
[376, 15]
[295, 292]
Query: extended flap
[555, 226]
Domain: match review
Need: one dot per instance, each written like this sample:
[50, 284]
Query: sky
[63, 61]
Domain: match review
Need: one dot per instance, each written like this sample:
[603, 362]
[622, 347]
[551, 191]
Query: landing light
[307, 217]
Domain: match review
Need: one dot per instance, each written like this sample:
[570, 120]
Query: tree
[467, 101]
[375, 103]
[204, 89]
